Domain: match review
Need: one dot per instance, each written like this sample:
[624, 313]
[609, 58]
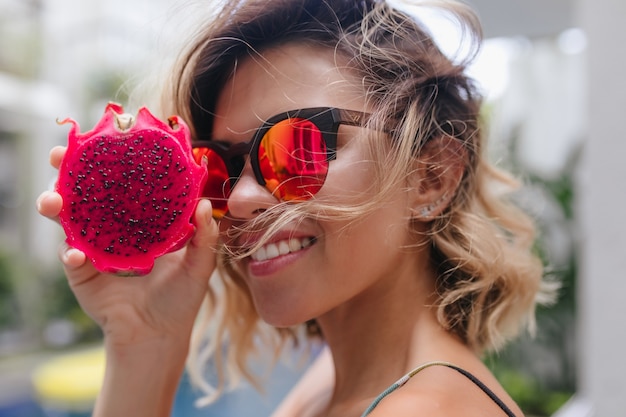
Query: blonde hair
[482, 245]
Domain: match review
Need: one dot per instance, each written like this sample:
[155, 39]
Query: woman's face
[331, 263]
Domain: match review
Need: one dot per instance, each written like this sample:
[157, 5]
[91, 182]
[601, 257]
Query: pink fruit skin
[129, 195]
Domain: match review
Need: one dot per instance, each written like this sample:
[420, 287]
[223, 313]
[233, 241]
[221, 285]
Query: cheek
[353, 179]
[350, 179]
[381, 232]
[364, 253]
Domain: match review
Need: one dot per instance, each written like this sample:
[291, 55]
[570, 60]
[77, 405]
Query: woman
[384, 230]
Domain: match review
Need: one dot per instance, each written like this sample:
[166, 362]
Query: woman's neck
[379, 335]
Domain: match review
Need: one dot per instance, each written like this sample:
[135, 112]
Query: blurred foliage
[57, 304]
[531, 395]
[8, 304]
[61, 304]
[540, 371]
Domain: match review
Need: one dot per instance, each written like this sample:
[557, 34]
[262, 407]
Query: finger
[207, 229]
[49, 204]
[200, 254]
[56, 155]
[72, 258]
[77, 267]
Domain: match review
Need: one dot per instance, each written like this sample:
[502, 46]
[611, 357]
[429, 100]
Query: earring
[425, 211]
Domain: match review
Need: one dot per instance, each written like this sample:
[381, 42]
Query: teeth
[276, 249]
[295, 245]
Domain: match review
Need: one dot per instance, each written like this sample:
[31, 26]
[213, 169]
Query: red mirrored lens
[293, 159]
[217, 187]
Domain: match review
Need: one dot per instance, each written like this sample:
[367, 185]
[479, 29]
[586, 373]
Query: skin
[370, 298]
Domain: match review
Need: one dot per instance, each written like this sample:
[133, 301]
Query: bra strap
[399, 383]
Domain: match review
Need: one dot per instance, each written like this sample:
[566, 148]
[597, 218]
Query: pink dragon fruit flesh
[129, 187]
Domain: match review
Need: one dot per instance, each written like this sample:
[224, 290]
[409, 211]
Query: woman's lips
[282, 250]
[272, 266]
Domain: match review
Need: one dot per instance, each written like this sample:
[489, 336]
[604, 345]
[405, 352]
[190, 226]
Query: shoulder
[440, 391]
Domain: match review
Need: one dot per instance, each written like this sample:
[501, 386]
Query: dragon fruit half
[129, 187]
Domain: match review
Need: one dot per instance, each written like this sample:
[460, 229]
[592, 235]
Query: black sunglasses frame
[327, 119]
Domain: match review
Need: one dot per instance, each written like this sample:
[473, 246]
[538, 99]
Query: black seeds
[127, 188]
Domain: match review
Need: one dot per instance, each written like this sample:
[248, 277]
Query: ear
[438, 173]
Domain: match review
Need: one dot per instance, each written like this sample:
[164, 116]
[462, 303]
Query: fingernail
[208, 218]
[68, 254]
[40, 200]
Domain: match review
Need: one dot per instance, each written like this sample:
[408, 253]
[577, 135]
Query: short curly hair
[481, 245]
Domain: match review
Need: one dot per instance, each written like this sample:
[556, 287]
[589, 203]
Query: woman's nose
[248, 198]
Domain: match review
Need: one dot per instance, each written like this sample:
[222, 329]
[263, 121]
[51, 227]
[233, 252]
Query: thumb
[200, 256]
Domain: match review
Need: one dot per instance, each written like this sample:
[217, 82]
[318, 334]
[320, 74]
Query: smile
[282, 247]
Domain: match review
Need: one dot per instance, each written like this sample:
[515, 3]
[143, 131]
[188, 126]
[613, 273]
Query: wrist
[168, 352]
[141, 379]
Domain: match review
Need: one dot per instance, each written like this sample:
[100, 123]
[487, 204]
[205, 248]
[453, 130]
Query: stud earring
[425, 211]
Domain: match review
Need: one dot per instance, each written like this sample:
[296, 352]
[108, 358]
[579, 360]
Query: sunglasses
[289, 155]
